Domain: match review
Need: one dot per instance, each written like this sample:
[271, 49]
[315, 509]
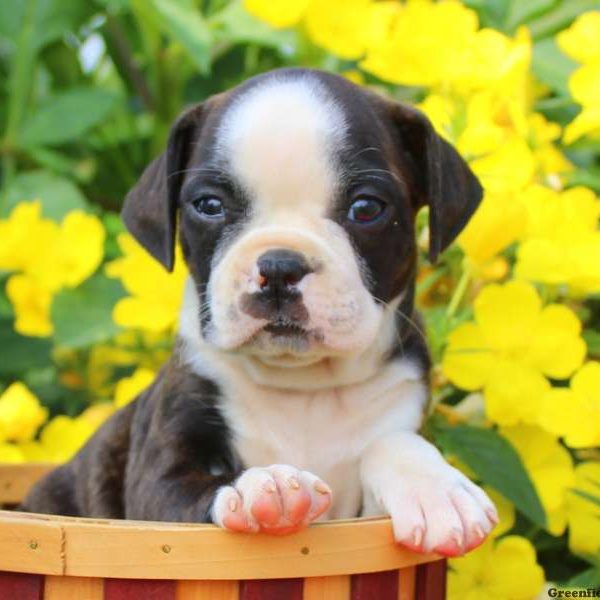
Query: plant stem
[459, 292]
[19, 88]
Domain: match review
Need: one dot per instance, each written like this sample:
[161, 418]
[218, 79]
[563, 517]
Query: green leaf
[236, 25]
[494, 461]
[184, 23]
[66, 116]
[20, 353]
[83, 316]
[587, 496]
[58, 195]
[551, 66]
[590, 578]
[520, 12]
[560, 17]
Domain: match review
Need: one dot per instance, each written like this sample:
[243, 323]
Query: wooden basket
[62, 558]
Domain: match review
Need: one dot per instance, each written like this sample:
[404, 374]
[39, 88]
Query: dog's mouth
[285, 329]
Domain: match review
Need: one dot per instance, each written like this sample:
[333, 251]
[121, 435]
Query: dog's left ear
[150, 208]
[443, 179]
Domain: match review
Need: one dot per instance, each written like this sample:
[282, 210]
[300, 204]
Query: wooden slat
[16, 480]
[207, 590]
[431, 581]
[210, 553]
[139, 589]
[336, 587]
[406, 583]
[375, 586]
[57, 587]
[272, 589]
[130, 549]
[18, 586]
[30, 546]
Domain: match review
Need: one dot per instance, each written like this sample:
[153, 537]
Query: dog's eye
[209, 206]
[365, 209]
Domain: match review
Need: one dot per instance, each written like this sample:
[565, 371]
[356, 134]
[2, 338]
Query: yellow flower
[32, 452]
[21, 413]
[550, 467]
[584, 515]
[11, 454]
[128, 388]
[31, 303]
[98, 413]
[339, 26]
[277, 13]
[586, 122]
[493, 61]
[498, 222]
[424, 45]
[561, 243]
[64, 436]
[510, 348]
[584, 86]
[441, 111]
[498, 570]
[510, 168]
[506, 512]
[80, 249]
[26, 237]
[581, 41]
[575, 412]
[155, 294]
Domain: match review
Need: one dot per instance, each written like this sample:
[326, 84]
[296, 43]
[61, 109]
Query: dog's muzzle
[278, 299]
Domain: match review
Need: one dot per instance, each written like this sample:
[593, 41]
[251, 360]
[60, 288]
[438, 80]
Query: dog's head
[294, 196]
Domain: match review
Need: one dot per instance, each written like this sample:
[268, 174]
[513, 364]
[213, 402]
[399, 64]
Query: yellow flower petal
[31, 303]
[129, 388]
[581, 41]
[497, 570]
[339, 26]
[583, 515]
[467, 360]
[11, 454]
[557, 348]
[507, 315]
[81, 247]
[514, 393]
[550, 467]
[278, 13]
[21, 413]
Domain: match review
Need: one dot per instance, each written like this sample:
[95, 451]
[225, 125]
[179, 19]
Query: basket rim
[57, 545]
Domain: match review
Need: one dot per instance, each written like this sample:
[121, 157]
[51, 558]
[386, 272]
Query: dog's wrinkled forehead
[280, 140]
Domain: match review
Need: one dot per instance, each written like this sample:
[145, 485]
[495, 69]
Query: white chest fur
[325, 431]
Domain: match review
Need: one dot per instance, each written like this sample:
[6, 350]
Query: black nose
[280, 270]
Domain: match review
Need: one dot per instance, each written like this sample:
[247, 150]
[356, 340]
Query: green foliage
[495, 462]
[83, 316]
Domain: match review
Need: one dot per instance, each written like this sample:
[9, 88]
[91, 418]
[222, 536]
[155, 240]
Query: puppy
[299, 376]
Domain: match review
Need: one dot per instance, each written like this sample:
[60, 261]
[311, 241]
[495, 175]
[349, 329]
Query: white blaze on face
[279, 141]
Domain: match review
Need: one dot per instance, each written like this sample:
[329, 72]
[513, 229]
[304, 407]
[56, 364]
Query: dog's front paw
[447, 514]
[278, 500]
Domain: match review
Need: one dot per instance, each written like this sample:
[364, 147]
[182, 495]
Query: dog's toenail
[457, 537]
[270, 487]
[418, 536]
[479, 532]
[293, 483]
[233, 504]
[492, 516]
[322, 487]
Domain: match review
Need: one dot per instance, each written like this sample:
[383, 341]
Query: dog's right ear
[150, 208]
